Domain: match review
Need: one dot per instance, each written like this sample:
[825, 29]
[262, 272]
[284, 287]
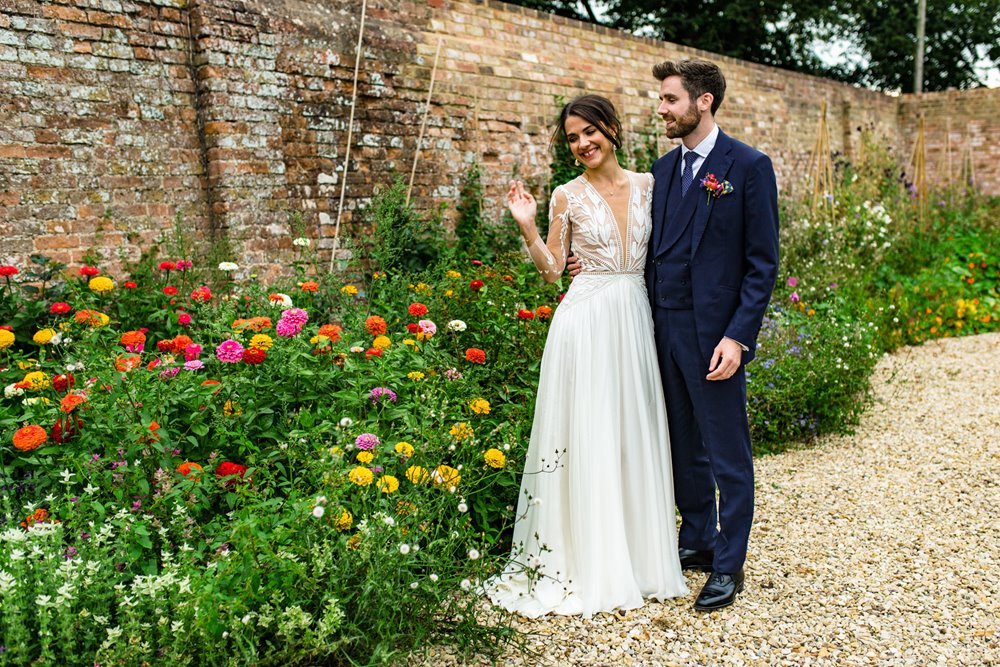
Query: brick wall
[118, 115]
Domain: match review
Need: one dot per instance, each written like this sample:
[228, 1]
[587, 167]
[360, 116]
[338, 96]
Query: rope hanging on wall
[423, 123]
[350, 132]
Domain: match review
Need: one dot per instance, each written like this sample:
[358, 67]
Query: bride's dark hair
[596, 110]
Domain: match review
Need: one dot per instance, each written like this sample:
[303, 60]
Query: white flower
[457, 326]
[318, 511]
[462, 507]
[320, 500]
[473, 554]
[536, 501]
[89, 489]
[43, 600]
[466, 584]
[228, 266]
[346, 422]
[389, 521]
[12, 390]
[302, 242]
[67, 476]
[280, 299]
[357, 348]
[404, 548]
[414, 585]
[433, 577]
[6, 581]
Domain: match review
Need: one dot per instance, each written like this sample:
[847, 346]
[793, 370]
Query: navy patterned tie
[688, 174]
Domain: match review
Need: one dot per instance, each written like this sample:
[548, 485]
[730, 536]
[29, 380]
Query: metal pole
[918, 69]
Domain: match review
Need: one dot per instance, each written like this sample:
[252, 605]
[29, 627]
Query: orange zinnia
[331, 331]
[30, 437]
[70, 401]
[125, 364]
[133, 338]
[375, 325]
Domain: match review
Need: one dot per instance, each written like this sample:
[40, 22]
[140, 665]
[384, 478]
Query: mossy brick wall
[118, 116]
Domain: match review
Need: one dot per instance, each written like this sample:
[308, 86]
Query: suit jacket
[734, 241]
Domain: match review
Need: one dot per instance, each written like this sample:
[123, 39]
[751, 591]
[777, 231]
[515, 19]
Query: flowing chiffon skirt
[595, 528]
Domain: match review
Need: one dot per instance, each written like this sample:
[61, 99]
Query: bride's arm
[549, 256]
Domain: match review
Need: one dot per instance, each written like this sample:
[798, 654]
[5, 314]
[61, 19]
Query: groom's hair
[697, 76]
[596, 110]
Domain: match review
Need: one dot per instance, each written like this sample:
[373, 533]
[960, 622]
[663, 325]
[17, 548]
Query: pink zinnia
[792, 281]
[183, 319]
[295, 316]
[367, 441]
[287, 329]
[192, 351]
[193, 365]
[427, 327]
[229, 352]
[168, 373]
[794, 296]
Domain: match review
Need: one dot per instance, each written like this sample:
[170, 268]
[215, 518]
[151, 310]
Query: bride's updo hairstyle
[596, 110]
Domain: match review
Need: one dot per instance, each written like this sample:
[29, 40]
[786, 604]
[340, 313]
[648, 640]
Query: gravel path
[879, 548]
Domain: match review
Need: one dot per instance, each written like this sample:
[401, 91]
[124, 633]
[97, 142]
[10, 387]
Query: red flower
[66, 429]
[475, 355]
[128, 284]
[59, 308]
[89, 270]
[165, 345]
[417, 309]
[477, 285]
[254, 356]
[412, 328]
[373, 352]
[170, 290]
[526, 314]
[168, 266]
[202, 294]
[229, 469]
[183, 319]
[7, 270]
[477, 262]
[63, 382]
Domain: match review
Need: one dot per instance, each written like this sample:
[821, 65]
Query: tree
[880, 35]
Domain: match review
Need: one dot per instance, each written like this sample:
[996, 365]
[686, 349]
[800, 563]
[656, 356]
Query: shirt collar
[706, 145]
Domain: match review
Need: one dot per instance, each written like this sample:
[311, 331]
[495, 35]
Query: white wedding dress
[595, 526]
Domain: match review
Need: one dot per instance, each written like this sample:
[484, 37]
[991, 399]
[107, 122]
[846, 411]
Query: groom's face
[678, 111]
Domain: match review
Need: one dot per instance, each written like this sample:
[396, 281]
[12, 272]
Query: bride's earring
[576, 161]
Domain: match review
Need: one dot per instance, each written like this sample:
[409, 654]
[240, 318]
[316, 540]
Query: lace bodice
[581, 221]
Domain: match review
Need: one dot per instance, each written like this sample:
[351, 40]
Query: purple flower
[295, 316]
[194, 365]
[229, 352]
[367, 441]
[168, 373]
[794, 296]
[70, 552]
[453, 374]
[792, 281]
[380, 392]
[287, 329]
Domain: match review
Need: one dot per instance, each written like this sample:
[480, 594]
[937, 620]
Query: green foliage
[401, 241]
[478, 238]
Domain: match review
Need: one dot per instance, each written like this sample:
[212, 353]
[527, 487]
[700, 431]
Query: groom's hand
[573, 266]
[726, 359]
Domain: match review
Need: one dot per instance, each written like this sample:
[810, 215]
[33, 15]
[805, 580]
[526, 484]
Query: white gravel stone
[877, 548]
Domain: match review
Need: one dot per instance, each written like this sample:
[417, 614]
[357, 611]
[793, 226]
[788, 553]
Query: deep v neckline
[622, 239]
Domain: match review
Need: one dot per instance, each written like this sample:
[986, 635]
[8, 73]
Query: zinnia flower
[526, 314]
[254, 356]
[349, 290]
[63, 382]
[229, 469]
[475, 355]
[126, 364]
[494, 458]
[461, 431]
[310, 286]
[378, 393]
[7, 270]
[375, 325]
[228, 266]
[201, 294]
[446, 476]
[261, 342]
[792, 281]
[190, 469]
[344, 521]
[70, 401]
[367, 441]
[287, 329]
[89, 270]
[331, 331]
[101, 285]
[480, 406]
[196, 364]
[476, 285]
[44, 336]
[92, 318]
[404, 449]
[229, 352]
[36, 381]
[364, 457]
[387, 484]
[30, 437]
[418, 475]
[543, 312]
[427, 328]
[381, 342]
[279, 299]
[59, 308]
[361, 476]
[417, 309]
[6, 339]
[134, 341]
[295, 316]
[130, 284]
[168, 266]
[416, 376]
[457, 326]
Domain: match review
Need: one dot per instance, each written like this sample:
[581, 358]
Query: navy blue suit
[710, 270]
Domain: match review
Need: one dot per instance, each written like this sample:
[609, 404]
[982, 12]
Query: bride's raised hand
[521, 204]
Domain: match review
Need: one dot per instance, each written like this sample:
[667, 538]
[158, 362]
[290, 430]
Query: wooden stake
[350, 132]
[423, 124]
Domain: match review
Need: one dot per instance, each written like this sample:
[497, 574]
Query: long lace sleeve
[550, 257]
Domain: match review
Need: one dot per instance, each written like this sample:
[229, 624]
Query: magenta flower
[194, 365]
[367, 441]
[229, 352]
[183, 319]
[453, 374]
[792, 281]
[380, 392]
[192, 351]
[168, 373]
[794, 296]
[287, 329]
[295, 316]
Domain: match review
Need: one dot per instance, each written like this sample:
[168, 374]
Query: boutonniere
[715, 188]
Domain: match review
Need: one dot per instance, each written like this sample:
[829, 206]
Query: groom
[710, 270]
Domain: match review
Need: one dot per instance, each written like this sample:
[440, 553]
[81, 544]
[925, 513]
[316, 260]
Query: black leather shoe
[719, 591]
[692, 559]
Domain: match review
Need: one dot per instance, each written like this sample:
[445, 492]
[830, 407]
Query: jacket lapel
[718, 163]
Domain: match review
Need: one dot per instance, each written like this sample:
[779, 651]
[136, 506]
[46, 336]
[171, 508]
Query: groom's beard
[686, 124]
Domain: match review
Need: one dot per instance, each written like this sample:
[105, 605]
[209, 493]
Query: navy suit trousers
[709, 444]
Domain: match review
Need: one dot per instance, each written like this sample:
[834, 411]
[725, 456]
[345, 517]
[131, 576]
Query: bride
[595, 528]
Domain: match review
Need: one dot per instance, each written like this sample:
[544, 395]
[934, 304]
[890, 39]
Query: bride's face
[587, 143]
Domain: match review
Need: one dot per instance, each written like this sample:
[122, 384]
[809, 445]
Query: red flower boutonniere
[715, 188]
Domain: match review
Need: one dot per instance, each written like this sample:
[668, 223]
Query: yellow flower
[449, 293]
[349, 290]
[6, 339]
[404, 449]
[27, 363]
[344, 521]
[423, 288]
[44, 336]
[446, 476]
[494, 458]
[387, 484]
[418, 475]
[480, 406]
[231, 409]
[416, 376]
[381, 342]
[361, 476]
[461, 431]
[454, 274]
[320, 341]
[37, 380]
[409, 341]
[262, 342]
[365, 457]
[101, 284]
